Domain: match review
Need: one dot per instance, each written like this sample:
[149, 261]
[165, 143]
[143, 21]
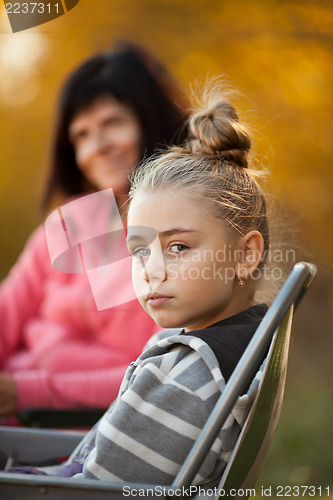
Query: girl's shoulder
[182, 359]
[190, 362]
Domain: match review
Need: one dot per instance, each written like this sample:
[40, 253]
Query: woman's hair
[135, 78]
[215, 163]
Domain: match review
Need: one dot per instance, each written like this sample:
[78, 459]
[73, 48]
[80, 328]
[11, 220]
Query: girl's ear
[252, 246]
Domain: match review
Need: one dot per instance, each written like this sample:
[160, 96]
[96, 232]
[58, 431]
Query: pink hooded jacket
[61, 350]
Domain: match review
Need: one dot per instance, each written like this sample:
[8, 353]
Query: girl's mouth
[157, 299]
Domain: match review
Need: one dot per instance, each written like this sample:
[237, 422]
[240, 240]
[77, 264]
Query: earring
[241, 282]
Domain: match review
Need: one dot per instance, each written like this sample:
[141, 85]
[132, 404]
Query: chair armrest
[36, 446]
[22, 487]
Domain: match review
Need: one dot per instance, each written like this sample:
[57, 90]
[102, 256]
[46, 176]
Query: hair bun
[215, 130]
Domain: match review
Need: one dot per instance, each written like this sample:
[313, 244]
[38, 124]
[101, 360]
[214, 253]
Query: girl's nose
[154, 271]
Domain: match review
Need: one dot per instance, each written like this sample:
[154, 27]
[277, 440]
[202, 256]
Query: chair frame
[23, 487]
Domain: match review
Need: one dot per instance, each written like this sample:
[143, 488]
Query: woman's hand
[8, 395]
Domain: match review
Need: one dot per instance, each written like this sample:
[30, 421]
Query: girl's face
[106, 137]
[183, 261]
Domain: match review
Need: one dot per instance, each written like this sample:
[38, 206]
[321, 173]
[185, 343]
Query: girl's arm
[21, 292]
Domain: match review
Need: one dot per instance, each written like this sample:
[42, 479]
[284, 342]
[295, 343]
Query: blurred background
[279, 54]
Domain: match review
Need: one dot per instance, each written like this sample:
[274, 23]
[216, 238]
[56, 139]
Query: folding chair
[250, 450]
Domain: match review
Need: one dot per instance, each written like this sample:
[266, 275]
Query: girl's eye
[178, 247]
[141, 252]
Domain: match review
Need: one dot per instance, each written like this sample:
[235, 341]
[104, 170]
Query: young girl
[197, 231]
[198, 234]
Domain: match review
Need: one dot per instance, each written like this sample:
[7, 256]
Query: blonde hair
[215, 162]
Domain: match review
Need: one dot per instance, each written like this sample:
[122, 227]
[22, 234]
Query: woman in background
[57, 350]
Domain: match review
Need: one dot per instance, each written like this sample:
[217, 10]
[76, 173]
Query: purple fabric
[70, 470]
[26, 469]
[67, 470]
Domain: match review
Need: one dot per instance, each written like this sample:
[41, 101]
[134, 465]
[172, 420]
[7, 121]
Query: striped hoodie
[164, 401]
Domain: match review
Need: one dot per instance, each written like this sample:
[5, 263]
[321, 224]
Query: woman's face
[107, 140]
